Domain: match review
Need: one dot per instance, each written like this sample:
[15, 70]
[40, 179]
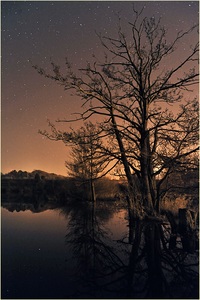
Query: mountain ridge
[31, 175]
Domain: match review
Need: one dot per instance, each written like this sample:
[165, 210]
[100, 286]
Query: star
[36, 32]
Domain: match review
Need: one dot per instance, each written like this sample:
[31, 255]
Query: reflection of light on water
[29, 222]
[56, 249]
[33, 247]
[118, 224]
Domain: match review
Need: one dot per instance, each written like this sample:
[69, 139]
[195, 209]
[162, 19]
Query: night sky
[35, 32]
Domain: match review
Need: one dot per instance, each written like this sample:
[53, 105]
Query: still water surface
[84, 251]
[40, 259]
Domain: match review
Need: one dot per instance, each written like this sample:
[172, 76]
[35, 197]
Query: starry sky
[35, 32]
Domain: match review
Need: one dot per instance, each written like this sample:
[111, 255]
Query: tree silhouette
[87, 162]
[133, 90]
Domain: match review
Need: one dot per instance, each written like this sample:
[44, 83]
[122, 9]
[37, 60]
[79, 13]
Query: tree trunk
[134, 206]
[135, 228]
[92, 189]
[146, 174]
[153, 252]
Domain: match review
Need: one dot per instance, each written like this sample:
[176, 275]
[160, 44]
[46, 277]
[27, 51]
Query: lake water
[79, 252]
[37, 259]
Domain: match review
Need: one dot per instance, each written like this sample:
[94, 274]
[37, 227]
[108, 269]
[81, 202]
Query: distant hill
[31, 175]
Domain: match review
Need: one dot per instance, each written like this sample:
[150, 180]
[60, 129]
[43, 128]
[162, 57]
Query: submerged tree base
[162, 268]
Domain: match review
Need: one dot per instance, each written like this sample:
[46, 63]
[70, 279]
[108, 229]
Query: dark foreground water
[89, 252]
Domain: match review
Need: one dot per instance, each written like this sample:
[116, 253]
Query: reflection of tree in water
[154, 270]
[94, 255]
[144, 268]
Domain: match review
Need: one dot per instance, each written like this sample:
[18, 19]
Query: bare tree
[132, 91]
[88, 161]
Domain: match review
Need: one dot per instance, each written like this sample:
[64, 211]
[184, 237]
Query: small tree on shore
[133, 91]
[87, 160]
